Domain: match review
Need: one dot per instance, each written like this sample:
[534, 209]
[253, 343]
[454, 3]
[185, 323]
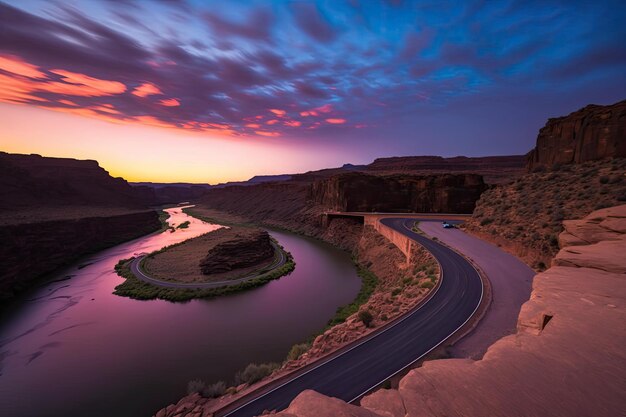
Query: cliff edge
[567, 357]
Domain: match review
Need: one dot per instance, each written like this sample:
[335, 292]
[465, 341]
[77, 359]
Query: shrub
[366, 317]
[604, 179]
[384, 317]
[427, 284]
[297, 351]
[195, 386]
[486, 221]
[396, 291]
[254, 373]
[183, 225]
[214, 390]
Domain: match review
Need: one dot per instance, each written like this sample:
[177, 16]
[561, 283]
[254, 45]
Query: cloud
[312, 22]
[170, 102]
[336, 121]
[146, 89]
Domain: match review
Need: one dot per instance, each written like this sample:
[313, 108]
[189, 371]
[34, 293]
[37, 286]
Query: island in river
[221, 262]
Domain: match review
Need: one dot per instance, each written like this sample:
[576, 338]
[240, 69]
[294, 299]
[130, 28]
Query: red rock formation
[591, 133]
[355, 191]
[244, 250]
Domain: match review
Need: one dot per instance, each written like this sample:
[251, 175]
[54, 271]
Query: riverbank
[558, 335]
[37, 242]
[393, 285]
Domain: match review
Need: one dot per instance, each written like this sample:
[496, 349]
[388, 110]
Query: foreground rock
[567, 358]
[591, 133]
[242, 251]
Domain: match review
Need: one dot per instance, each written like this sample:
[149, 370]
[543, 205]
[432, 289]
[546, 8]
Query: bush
[214, 390]
[366, 317]
[297, 351]
[254, 373]
[396, 291]
[486, 221]
[427, 284]
[604, 179]
[195, 386]
[183, 225]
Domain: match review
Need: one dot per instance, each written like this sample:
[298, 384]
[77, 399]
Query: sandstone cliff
[242, 251]
[444, 193]
[33, 180]
[30, 250]
[591, 133]
[567, 358]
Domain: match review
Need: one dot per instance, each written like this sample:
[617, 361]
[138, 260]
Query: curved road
[366, 365]
[135, 268]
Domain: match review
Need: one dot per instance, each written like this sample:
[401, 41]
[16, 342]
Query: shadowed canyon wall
[591, 133]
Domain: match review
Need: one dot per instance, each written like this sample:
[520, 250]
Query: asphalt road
[368, 364]
[135, 268]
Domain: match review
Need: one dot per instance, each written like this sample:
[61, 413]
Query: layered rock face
[591, 133]
[567, 358]
[245, 250]
[399, 193]
[30, 250]
[54, 210]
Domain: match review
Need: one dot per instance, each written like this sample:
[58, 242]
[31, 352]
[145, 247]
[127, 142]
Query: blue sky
[381, 78]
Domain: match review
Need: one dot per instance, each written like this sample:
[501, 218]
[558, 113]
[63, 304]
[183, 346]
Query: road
[135, 268]
[366, 365]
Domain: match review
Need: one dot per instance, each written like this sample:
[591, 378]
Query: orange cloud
[272, 122]
[264, 133]
[293, 123]
[68, 102]
[16, 65]
[170, 102]
[146, 89]
[336, 121]
[88, 86]
[278, 112]
[308, 113]
[253, 125]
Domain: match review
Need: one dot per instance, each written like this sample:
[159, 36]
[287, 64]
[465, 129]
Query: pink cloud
[336, 121]
[146, 89]
[265, 133]
[278, 112]
[170, 102]
[292, 123]
[272, 122]
[253, 125]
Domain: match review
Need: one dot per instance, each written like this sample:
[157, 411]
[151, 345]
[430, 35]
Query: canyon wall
[30, 250]
[446, 193]
[567, 358]
[33, 180]
[591, 133]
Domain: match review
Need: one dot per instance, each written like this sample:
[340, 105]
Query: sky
[214, 91]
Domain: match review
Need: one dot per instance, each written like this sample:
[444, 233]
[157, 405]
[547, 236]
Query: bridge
[404, 243]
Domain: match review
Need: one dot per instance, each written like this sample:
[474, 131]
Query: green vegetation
[427, 284]
[183, 225]
[369, 282]
[297, 350]
[366, 317]
[207, 391]
[254, 373]
[140, 290]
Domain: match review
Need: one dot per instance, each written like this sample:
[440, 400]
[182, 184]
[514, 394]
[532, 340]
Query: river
[72, 348]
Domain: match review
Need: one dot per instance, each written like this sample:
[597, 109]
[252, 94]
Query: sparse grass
[529, 212]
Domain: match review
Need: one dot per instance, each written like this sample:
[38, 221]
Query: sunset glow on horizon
[251, 88]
